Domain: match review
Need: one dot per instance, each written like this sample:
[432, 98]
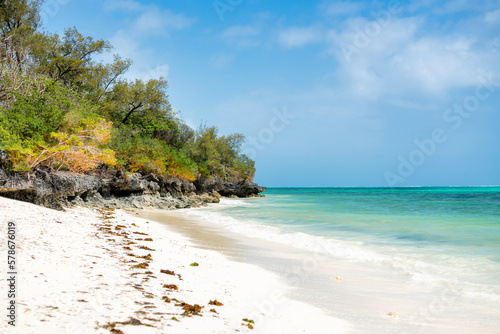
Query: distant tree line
[59, 107]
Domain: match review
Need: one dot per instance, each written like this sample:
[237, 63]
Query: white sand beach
[76, 274]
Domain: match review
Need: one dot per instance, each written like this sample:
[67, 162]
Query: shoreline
[367, 296]
[84, 271]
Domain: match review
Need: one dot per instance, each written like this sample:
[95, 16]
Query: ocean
[431, 241]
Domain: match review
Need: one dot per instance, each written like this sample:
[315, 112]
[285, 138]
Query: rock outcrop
[59, 189]
[229, 188]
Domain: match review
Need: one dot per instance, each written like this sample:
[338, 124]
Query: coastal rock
[47, 188]
[228, 188]
[240, 189]
[60, 189]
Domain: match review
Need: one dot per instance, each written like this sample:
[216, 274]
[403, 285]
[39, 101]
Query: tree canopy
[60, 107]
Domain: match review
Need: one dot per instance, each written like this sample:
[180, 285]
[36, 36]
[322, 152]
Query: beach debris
[249, 323]
[143, 265]
[146, 248]
[175, 319]
[117, 331]
[338, 278]
[166, 299]
[393, 315]
[215, 302]
[190, 309]
[145, 257]
[127, 248]
[141, 233]
[194, 264]
[166, 271]
[132, 321]
[148, 239]
[213, 310]
[82, 301]
[171, 286]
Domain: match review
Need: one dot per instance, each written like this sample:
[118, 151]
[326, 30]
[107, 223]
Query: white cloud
[220, 60]
[403, 61]
[156, 72]
[341, 8]
[157, 21]
[241, 36]
[455, 6]
[147, 21]
[145, 64]
[492, 17]
[151, 18]
[127, 5]
[124, 44]
[297, 37]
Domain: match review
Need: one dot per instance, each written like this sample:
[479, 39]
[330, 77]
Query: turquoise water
[466, 220]
[442, 236]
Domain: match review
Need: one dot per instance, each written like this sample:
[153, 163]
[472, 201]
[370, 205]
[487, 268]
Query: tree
[19, 20]
[143, 104]
[67, 59]
[220, 155]
[60, 107]
[53, 126]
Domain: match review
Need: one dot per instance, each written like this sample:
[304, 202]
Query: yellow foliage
[85, 149]
[81, 151]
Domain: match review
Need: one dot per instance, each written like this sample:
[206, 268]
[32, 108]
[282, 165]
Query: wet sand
[369, 299]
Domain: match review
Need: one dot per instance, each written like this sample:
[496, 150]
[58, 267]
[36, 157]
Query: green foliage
[142, 153]
[220, 155]
[60, 107]
[19, 19]
[50, 125]
[34, 116]
[19, 16]
[143, 104]
[69, 59]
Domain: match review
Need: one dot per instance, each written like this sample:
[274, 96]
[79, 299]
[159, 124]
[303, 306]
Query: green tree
[144, 104]
[220, 155]
[19, 20]
[52, 125]
[67, 59]
[58, 105]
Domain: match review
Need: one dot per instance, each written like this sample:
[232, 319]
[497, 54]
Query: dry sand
[76, 275]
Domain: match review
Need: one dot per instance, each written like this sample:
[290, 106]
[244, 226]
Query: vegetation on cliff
[59, 107]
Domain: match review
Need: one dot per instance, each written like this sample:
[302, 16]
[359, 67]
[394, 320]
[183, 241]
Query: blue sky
[329, 93]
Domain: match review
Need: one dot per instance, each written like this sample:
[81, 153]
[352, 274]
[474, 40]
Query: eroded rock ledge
[59, 189]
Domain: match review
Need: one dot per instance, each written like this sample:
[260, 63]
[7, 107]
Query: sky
[328, 93]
